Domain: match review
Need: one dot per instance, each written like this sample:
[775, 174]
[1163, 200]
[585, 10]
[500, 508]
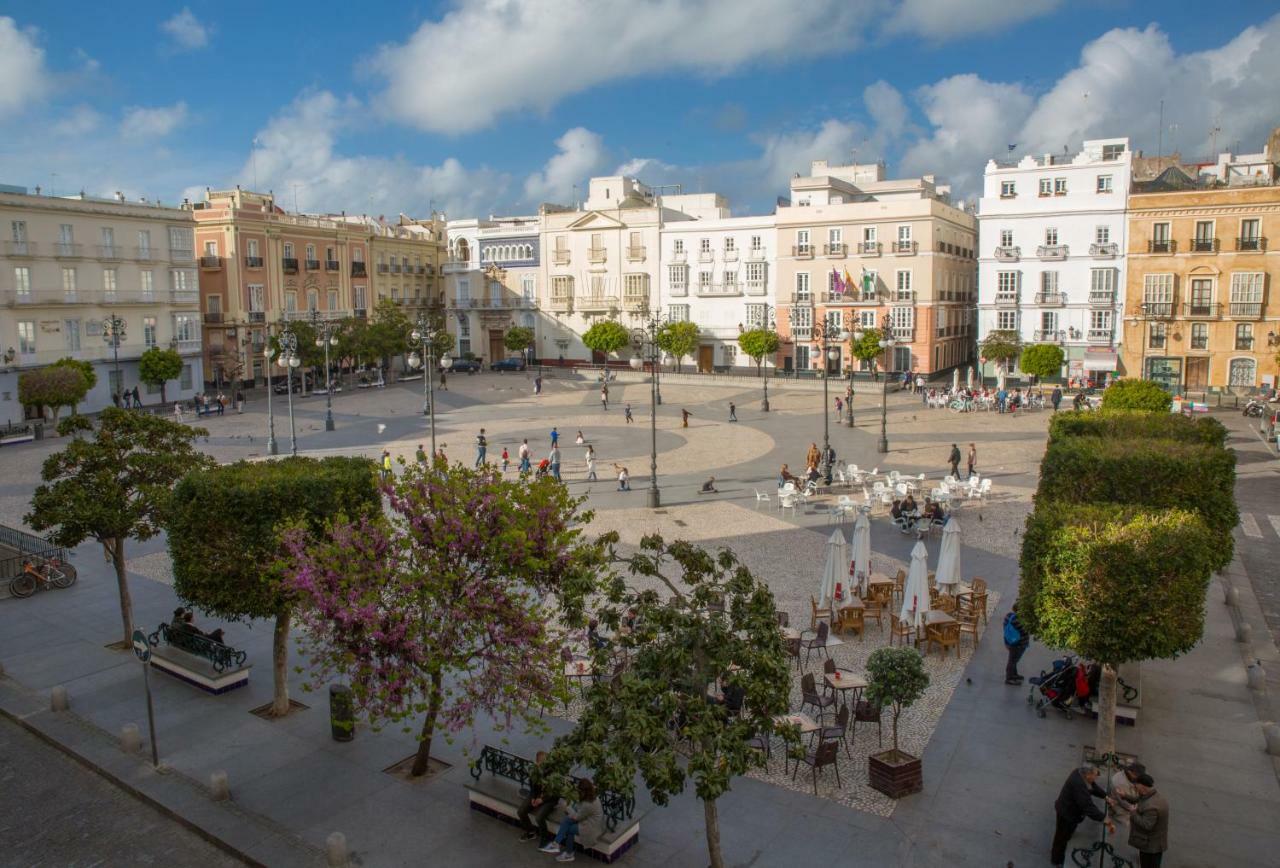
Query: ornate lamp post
[848, 404]
[886, 343]
[272, 448]
[325, 338]
[644, 343]
[824, 333]
[424, 336]
[113, 331]
[288, 359]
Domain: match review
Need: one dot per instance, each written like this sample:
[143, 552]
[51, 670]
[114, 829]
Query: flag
[868, 288]
[1014, 145]
[848, 281]
[837, 285]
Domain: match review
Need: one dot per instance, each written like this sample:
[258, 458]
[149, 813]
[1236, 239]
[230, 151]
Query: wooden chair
[825, 754]
[968, 619]
[784, 620]
[816, 641]
[865, 712]
[979, 593]
[944, 636]
[944, 603]
[878, 599]
[819, 612]
[933, 579]
[904, 630]
[899, 585]
[851, 618]
[809, 696]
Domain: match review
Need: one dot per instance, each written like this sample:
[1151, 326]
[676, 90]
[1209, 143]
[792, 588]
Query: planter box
[895, 773]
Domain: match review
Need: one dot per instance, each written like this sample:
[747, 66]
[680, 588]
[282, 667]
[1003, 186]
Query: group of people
[1133, 800]
[908, 515]
[208, 406]
[129, 399]
[184, 620]
[583, 819]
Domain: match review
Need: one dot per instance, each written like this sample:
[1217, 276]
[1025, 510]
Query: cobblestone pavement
[55, 812]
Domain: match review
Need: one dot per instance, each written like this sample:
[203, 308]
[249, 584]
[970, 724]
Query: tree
[1115, 583]
[446, 609]
[1001, 347]
[86, 368]
[680, 339]
[387, 334]
[1042, 360]
[895, 678]
[714, 623]
[228, 366]
[868, 349]
[226, 530]
[518, 339]
[114, 486]
[157, 367]
[52, 387]
[606, 337]
[1136, 395]
[758, 343]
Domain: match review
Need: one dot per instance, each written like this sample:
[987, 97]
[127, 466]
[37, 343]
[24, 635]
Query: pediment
[597, 220]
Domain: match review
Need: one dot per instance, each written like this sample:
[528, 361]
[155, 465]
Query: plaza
[991, 767]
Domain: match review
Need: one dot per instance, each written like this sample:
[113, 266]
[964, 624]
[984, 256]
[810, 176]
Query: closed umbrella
[1000, 372]
[915, 594]
[968, 379]
[948, 572]
[835, 569]
[955, 380]
[861, 552]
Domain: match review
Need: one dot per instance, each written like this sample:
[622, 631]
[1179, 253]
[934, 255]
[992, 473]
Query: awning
[1100, 360]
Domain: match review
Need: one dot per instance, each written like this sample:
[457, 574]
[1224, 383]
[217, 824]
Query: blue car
[464, 366]
[515, 363]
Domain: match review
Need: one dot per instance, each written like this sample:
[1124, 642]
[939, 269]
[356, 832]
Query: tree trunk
[163, 399]
[428, 726]
[713, 833]
[1105, 740]
[122, 581]
[279, 665]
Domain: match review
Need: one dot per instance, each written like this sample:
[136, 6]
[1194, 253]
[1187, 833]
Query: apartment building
[407, 257]
[1052, 256]
[1200, 309]
[510, 252]
[463, 280]
[67, 263]
[260, 264]
[908, 252]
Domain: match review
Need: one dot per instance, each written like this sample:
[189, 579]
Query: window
[1102, 284]
[1048, 323]
[147, 280]
[1102, 234]
[313, 298]
[679, 245]
[730, 279]
[1249, 234]
[1203, 242]
[357, 293]
[184, 378]
[1104, 184]
[561, 288]
[1051, 237]
[181, 241]
[1246, 293]
[729, 244]
[71, 328]
[257, 298]
[330, 255]
[1006, 237]
[835, 236]
[1160, 241]
[802, 285]
[291, 301]
[904, 234]
[108, 241]
[66, 237]
[705, 245]
[1243, 372]
[1059, 186]
[730, 354]
[311, 251]
[678, 312]
[288, 250]
[149, 331]
[22, 282]
[26, 336]
[357, 253]
[802, 318]
[185, 327]
[869, 234]
[902, 318]
[802, 241]
[1157, 288]
[704, 280]
[1112, 152]
[1244, 336]
[1199, 336]
[211, 248]
[253, 248]
[18, 228]
[678, 276]
[1100, 321]
[1046, 187]
[1156, 333]
[464, 289]
[332, 300]
[1201, 297]
[69, 282]
[755, 316]
[529, 287]
[109, 282]
[182, 280]
[867, 319]
[902, 281]
[1008, 190]
[215, 304]
[1007, 320]
[1049, 283]
[1007, 285]
[757, 242]
[755, 273]
[835, 321]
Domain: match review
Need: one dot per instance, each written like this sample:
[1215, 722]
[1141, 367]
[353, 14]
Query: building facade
[259, 265]
[1052, 258]
[407, 257]
[510, 275]
[908, 254]
[67, 263]
[1200, 309]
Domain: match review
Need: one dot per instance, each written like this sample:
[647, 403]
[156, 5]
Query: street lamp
[848, 404]
[325, 338]
[886, 344]
[272, 449]
[644, 343]
[424, 335]
[113, 330]
[824, 333]
[288, 359]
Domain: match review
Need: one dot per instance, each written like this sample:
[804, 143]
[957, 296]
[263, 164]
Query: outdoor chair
[816, 641]
[904, 630]
[945, 636]
[828, 668]
[984, 489]
[793, 650]
[899, 585]
[787, 501]
[761, 497]
[844, 506]
[839, 476]
[877, 603]
[784, 619]
[764, 745]
[826, 754]
[866, 712]
[851, 618]
[978, 595]
[968, 619]
[819, 612]
[839, 732]
[809, 695]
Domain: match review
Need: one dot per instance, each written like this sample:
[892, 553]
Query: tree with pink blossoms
[450, 605]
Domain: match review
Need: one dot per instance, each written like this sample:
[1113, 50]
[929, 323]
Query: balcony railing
[869, 248]
[1157, 309]
[802, 298]
[706, 256]
[332, 265]
[395, 268]
[1052, 251]
[1253, 243]
[560, 257]
[1244, 342]
[253, 262]
[109, 251]
[360, 313]
[596, 254]
[636, 301]
[905, 248]
[562, 302]
[452, 266]
[906, 334]
[756, 287]
[290, 265]
[68, 250]
[835, 249]
[802, 251]
[730, 254]
[1051, 298]
[636, 254]
[420, 269]
[143, 254]
[212, 317]
[1162, 245]
[1244, 309]
[712, 290]
[211, 262]
[1103, 298]
[1197, 310]
[19, 248]
[1008, 253]
[1098, 335]
[1050, 335]
[801, 333]
[257, 316]
[1105, 250]
[1204, 245]
[597, 302]
[756, 254]
[358, 270]
[1006, 300]
[181, 255]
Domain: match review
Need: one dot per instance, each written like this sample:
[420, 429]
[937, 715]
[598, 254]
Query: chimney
[37, 190]
[119, 196]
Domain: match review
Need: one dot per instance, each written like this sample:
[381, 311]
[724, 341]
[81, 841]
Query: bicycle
[31, 579]
[961, 406]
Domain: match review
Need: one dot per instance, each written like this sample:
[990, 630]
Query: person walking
[386, 465]
[177, 412]
[482, 446]
[733, 412]
[554, 458]
[919, 383]
[604, 397]
[624, 478]
[1074, 803]
[137, 398]
[555, 438]
[1056, 398]
[443, 387]
[839, 407]
[684, 418]
[954, 460]
[420, 455]
[523, 455]
[537, 385]
[239, 401]
[506, 461]
[1016, 641]
[539, 803]
[591, 463]
[973, 458]
[626, 414]
[1148, 822]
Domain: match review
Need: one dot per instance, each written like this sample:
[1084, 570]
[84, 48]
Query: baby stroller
[543, 468]
[1067, 686]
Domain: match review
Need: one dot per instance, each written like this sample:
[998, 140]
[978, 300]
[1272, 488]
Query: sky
[479, 107]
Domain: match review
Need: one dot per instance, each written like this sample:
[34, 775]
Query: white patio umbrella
[968, 380]
[1000, 372]
[955, 380]
[915, 594]
[948, 572]
[835, 569]
[861, 552]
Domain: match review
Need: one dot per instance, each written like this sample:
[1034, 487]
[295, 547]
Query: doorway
[706, 358]
[497, 346]
[1197, 377]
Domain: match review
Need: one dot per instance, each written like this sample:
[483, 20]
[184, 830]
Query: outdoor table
[790, 633]
[846, 679]
[879, 579]
[850, 601]
[804, 721]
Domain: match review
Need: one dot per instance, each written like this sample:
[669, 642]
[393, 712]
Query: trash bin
[38, 429]
[342, 718]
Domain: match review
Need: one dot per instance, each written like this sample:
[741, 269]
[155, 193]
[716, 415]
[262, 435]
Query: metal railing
[1204, 245]
[181, 255]
[253, 262]
[1052, 298]
[1050, 335]
[68, 250]
[1245, 309]
[1163, 245]
[19, 248]
[835, 249]
[109, 251]
[1157, 309]
[1253, 243]
[636, 254]
[1107, 298]
[1104, 250]
[616, 807]
[1008, 253]
[560, 257]
[27, 545]
[332, 265]
[1052, 251]
[1197, 310]
[143, 254]
[905, 248]
[597, 302]
[210, 261]
[596, 254]
[869, 248]
[1006, 300]
[289, 264]
[801, 298]
[313, 265]
[802, 251]
[358, 270]
[1094, 335]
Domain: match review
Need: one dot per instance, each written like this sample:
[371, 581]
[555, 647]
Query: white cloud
[580, 153]
[80, 120]
[23, 77]
[152, 123]
[947, 19]
[187, 31]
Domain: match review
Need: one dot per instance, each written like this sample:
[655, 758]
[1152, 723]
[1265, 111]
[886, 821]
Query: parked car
[515, 363]
[282, 388]
[465, 366]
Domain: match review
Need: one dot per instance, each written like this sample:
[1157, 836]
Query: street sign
[141, 649]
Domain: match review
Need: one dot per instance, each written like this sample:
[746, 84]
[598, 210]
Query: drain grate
[680, 523]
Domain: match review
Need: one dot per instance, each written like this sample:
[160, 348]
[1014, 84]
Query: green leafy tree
[680, 339]
[712, 622]
[895, 679]
[1001, 347]
[606, 337]
[518, 339]
[868, 348]
[158, 366]
[226, 530]
[1136, 395]
[1115, 583]
[114, 486]
[52, 387]
[758, 343]
[86, 368]
[387, 335]
[1042, 360]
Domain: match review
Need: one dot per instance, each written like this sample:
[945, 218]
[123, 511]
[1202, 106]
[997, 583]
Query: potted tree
[896, 678]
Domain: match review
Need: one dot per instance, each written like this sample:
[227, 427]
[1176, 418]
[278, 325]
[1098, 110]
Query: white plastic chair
[901, 489]
[840, 477]
[761, 497]
[853, 470]
[893, 477]
[787, 500]
[984, 489]
[844, 506]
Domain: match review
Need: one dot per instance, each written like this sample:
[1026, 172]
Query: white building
[1052, 242]
[463, 279]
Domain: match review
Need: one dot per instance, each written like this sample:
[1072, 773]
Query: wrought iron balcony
[636, 253]
[596, 254]
[68, 250]
[143, 254]
[395, 268]
[1252, 243]
[562, 302]
[211, 263]
[597, 302]
[804, 298]
[560, 257]
[1006, 299]
[360, 313]
[253, 262]
[358, 270]
[1157, 309]
[1104, 298]
[19, 248]
[332, 265]
[1055, 336]
[1051, 298]
[835, 249]
[1008, 253]
[1204, 245]
[1244, 309]
[257, 316]
[1105, 250]
[1162, 245]
[290, 265]
[1098, 335]
[869, 248]
[109, 251]
[212, 317]
[636, 301]
[1052, 251]
[905, 248]
[706, 256]
[802, 251]
[1198, 310]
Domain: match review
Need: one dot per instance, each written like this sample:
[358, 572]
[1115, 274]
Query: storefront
[1165, 370]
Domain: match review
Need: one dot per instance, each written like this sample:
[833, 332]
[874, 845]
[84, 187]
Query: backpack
[1012, 635]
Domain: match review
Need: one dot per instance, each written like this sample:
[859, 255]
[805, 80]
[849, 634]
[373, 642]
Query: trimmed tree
[226, 536]
[158, 366]
[86, 368]
[712, 622]
[680, 339]
[1042, 360]
[1136, 395]
[52, 387]
[448, 608]
[606, 337]
[868, 349]
[1115, 584]
[387, 334]
[1001, 347]
[114, 486]
[758, 343]
[518, 339]
[895, 679]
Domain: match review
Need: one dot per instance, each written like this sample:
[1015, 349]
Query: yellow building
[1200, 307]
[406, 261]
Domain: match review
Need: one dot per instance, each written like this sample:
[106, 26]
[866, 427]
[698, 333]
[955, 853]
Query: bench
[501, 792]
[198, 660]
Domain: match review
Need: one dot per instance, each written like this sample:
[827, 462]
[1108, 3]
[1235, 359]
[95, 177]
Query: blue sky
[492, 106]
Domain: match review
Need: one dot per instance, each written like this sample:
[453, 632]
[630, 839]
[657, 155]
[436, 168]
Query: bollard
[130, 738]
[1226, 590]
[1233, 598]
[1243, 633]
[1271, 732]
[1256, 675]
[58, 700]
[335, 849]
[218, 786]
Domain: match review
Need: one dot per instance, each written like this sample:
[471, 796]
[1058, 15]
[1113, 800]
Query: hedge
[1136, 395]
[1116, 583]
[1138, 424]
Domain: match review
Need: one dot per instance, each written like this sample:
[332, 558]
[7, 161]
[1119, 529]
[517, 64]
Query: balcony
[1051, 298]
[68, 250]
[905, 248]
[1157, 309]
[706, 256]
[802, 251]
[395, 268]
[213, 317]
[420, 269]
[1244, 342]
[290, 265]
[596, 254]
[211, 263]
[257, 316]
[19, 248]
[143, 254]
[865, 298]
[597, 302]
[835, 250]
[730, 254]
[636, 253]
[1006, 299]
[679, 256]
[1052, 251]
[253, 262]
[1254, 243]
[360, 313]
[184, 296]
[1198, 310]
[903, 334]
[1204, 245]
[718, 290]
[562, 303]
[1106, 250]
[109, 251]
[756, 287]
[1098, 336]
[1052, 336]
[869, 248]
[358, 270]
[679, 290]
[1244, 309]
[559, 257]
[635, 301]
[188, 346]
[1162, 245]
[1105, 298]
[1008, 253]
[802, 333]
[43, 297]
[756, 254]
[332, 265]
[181, 255]
[455, 266]
[802, 298]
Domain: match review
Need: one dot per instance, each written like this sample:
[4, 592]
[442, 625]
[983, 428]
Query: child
[506, 460]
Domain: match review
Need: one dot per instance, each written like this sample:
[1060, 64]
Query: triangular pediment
[597, 220]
